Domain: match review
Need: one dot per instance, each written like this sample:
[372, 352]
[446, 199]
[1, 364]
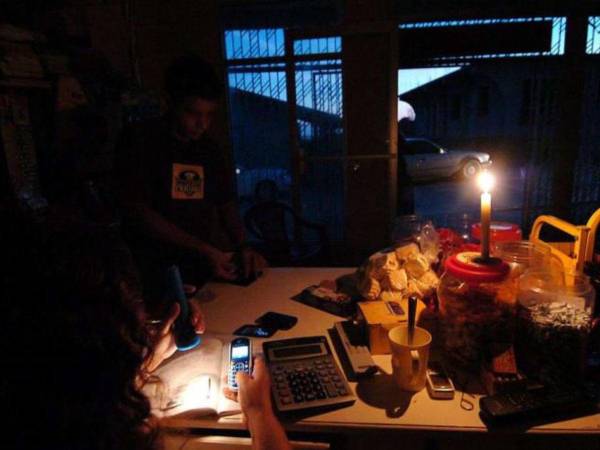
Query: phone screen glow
[239, 352]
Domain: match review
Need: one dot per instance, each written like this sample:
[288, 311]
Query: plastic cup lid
[469, 267]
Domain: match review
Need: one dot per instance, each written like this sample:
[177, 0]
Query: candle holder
[487, 261]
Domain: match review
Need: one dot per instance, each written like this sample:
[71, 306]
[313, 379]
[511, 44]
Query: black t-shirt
[185, 182]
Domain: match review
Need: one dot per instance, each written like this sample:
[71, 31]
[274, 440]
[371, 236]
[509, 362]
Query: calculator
[304, 375]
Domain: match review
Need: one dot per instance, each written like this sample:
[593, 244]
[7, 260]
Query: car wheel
[470, 169]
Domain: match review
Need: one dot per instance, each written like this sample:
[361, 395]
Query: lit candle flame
[486, 181]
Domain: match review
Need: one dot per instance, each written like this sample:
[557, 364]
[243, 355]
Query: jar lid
[499, 231]
[467, 266]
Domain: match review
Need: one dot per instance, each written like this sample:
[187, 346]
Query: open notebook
[193, 381]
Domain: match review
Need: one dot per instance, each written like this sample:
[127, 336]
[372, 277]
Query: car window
[421, 148]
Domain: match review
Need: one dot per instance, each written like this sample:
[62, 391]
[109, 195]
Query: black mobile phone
[240, 359]
[276, 321]
[254, 331]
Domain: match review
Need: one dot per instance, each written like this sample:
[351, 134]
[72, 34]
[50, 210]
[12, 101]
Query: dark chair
[284, 238]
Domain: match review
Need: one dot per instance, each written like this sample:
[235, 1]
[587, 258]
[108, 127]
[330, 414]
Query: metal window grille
[258, 105]
[593, 37]
[318, 46]
[254, 43]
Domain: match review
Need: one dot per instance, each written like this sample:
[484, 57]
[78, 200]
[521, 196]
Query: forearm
[157, 227]
[267, 433]
[233, 223]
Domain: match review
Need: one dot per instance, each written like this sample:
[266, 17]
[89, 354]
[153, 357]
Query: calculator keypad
[307, 381]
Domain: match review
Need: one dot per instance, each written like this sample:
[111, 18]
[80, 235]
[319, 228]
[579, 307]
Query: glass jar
[522, 256]
[554, 321]
[407, 229]
[477, 309]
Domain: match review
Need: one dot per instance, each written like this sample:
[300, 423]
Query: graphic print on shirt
[188, 182]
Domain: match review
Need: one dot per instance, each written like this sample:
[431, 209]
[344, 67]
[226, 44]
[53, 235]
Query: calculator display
[298, 351]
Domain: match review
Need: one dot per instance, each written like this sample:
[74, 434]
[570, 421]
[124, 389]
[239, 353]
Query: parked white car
[427, 160]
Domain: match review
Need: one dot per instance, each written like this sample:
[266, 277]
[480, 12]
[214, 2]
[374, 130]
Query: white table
[379, 405]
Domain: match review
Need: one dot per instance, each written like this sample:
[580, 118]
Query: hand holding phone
[240, 360]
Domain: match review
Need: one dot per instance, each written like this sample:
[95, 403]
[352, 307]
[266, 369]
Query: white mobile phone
[240, 360]
[439, 385]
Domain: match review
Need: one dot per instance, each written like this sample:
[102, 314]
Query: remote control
[356, 349]
[535, 403]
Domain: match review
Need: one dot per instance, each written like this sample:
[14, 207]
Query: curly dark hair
[192, 76]
[78, 345]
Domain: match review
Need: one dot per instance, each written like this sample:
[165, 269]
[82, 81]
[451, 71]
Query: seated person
[177, 186]
[78, 352]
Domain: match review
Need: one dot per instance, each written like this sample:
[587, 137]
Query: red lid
[499, 232]
[468, 247]
[465, 266]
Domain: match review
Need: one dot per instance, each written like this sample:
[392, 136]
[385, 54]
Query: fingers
[168, 322]
[226, 267]
[260, 263]
[226, 274]
[242, 378]
[229, 394]
[260, 368]
[171, 347]
[249, 264]
[200, 324]
[223, 265]
[189, 289]
[197, 317]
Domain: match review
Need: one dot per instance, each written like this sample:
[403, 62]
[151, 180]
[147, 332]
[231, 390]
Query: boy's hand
[253, 262]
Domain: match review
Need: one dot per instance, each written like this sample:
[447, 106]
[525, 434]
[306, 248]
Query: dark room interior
[308, 224]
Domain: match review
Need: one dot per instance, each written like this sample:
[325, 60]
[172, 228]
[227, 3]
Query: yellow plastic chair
[591, 241]
[572, 255]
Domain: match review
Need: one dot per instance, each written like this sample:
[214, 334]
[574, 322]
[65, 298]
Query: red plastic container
[499, 232]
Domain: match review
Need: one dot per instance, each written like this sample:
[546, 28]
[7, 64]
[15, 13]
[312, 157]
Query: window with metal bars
[256, 74]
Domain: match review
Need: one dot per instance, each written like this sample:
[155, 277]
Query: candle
[486, 218]
[486, 183]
